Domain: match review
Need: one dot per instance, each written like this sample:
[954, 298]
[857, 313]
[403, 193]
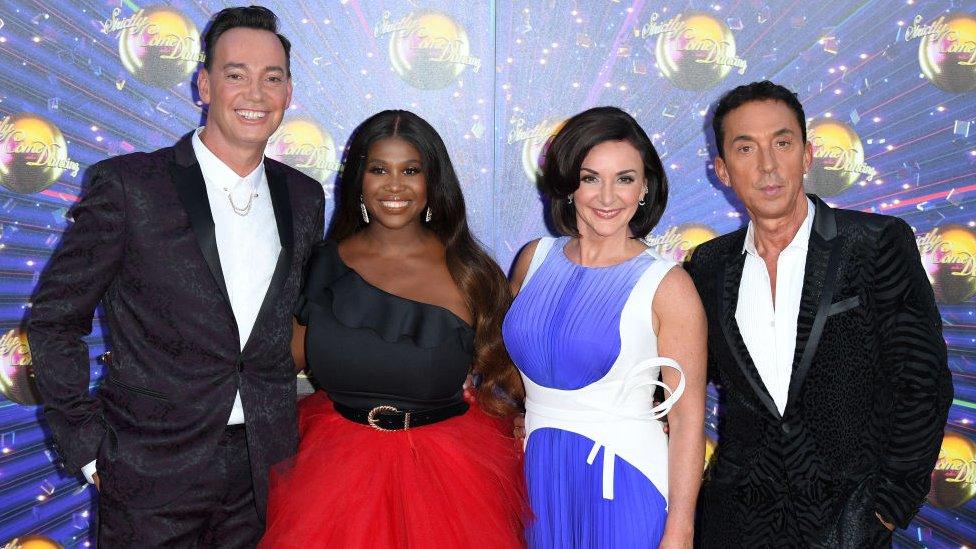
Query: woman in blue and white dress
[599, 319]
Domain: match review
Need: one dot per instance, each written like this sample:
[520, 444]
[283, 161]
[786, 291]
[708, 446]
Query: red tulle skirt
[456, 483]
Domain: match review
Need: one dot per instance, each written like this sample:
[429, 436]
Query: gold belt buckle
[374, 421]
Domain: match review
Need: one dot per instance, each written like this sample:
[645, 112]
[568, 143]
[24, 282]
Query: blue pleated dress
[596, 454]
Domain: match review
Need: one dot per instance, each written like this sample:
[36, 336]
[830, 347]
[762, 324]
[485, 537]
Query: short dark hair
[569, 147]
[755, 91]
[251, 17]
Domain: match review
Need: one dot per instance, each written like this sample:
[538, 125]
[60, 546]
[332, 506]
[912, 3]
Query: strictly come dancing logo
[32, 541]
[954, 476]
[694, 50]
[306, 146]
[15, 362]
[838, 158]
[534, 139]
[949, 257]
[946, 50]
[158, 45]
[678, 243]
[428, 49]
[33, 153]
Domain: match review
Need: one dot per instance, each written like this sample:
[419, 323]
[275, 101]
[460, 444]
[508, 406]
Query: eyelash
[593, 179]
[271, 79]
[377, 170]
[781, 144]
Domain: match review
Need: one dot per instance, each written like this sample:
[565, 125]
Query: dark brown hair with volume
[479, 278]
[569, 147]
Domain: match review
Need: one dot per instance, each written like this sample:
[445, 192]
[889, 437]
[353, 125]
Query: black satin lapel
[819, 282]
[730, 275]
[281, 204]
[189, 183]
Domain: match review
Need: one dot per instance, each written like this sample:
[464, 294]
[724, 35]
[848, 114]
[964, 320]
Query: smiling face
[394, 185]
[765, 159]
[247, 90]
[611, 184]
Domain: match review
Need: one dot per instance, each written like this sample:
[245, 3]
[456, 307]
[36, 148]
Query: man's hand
[888, 525]
[97, 482]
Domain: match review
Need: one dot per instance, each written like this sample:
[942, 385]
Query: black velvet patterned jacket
[867, 401]
[143, 244]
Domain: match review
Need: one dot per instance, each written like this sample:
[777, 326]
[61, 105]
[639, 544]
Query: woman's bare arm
[522, 263]
[682, 334]
[298, 345]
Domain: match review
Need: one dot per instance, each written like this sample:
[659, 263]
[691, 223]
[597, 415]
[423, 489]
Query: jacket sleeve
[74, 280]
[699, 275]
[318, 228]
[914, 355]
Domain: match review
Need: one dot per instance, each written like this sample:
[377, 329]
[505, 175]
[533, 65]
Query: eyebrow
[272, 68]
[777, 133]
[594, 172]
[385, 161]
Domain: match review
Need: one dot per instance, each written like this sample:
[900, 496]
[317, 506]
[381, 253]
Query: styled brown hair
[569, 147]
[481, 281]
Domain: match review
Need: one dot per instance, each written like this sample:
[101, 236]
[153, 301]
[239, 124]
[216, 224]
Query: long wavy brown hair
[481, 281]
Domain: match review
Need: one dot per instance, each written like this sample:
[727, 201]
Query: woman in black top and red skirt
[400, 305]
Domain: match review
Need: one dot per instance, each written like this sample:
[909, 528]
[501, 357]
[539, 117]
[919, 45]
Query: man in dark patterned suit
[196, 252]
[825, 345]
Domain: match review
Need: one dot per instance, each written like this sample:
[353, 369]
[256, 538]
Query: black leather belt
[389, 418]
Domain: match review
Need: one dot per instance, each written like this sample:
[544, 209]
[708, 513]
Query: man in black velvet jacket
[825, 345]
[196, 252]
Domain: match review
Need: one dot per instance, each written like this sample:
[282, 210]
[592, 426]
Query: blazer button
[787, 427]
[240, 365]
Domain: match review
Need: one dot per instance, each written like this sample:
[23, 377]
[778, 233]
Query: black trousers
[217, 511]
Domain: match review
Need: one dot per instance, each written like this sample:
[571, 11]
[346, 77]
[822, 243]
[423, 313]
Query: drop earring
[641, 201]
[427, 215]
[362, 208]
[569, 200]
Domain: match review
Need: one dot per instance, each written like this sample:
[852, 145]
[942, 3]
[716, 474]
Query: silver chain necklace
[243, 210]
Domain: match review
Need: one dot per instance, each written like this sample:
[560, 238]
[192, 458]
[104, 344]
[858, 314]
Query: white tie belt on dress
[616, 412]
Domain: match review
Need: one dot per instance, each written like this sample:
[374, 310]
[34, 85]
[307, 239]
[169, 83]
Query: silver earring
[569, 199]
[427, 216]
[362, 208]
[641, 201]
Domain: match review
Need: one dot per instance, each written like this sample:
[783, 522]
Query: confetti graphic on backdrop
[888, 88]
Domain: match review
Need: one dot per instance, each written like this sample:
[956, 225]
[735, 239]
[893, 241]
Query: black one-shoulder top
[367, 347]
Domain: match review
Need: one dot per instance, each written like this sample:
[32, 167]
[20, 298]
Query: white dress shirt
[769, 329]
[248, 245]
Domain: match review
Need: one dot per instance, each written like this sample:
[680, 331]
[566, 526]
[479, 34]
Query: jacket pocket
[134, 389]
[844, 305]
[724, 472]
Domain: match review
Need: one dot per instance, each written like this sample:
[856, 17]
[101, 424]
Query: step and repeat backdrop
[888, 87]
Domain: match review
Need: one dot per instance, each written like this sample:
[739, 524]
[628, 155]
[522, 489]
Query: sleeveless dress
[596, 456]
[454, 483]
